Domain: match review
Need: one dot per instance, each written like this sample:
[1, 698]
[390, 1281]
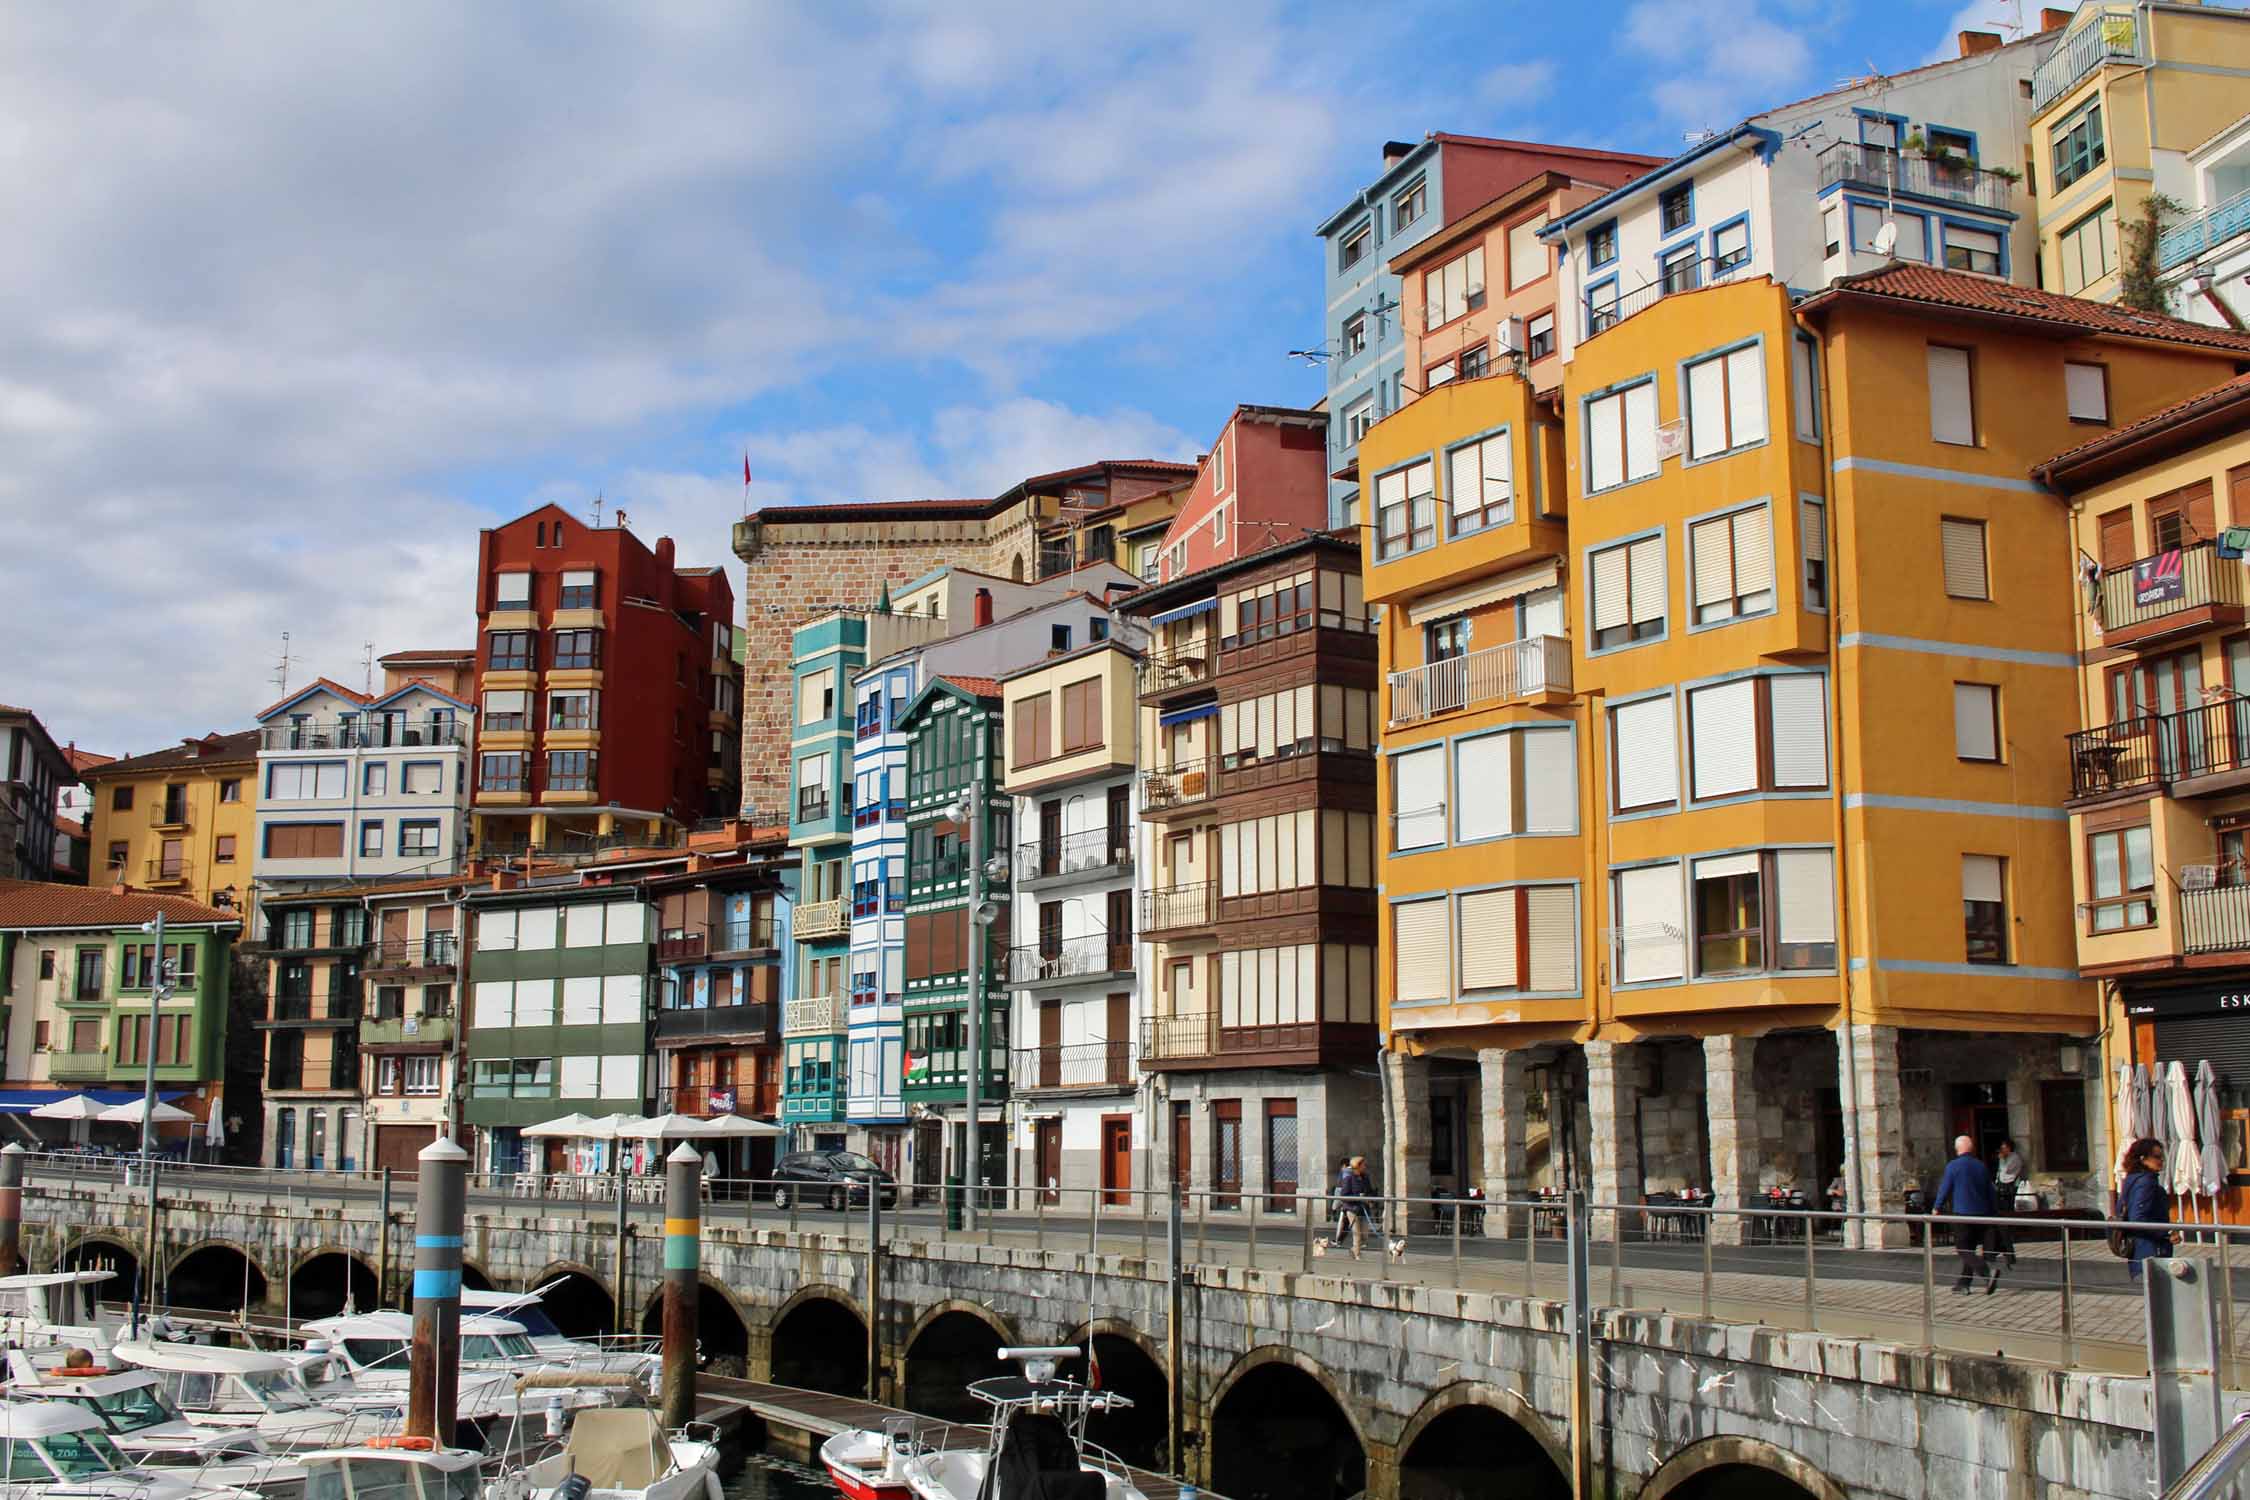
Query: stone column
[1876, 1135]
[1613, 1085]
[1501, 1075]
[1730, 1102]
[1406, 1174]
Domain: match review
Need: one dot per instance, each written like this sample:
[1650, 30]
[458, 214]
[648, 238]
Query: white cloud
[1517, 85]
[1718, 62]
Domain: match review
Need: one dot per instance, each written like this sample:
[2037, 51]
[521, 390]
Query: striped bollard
[434, 1369]
[683, 1256]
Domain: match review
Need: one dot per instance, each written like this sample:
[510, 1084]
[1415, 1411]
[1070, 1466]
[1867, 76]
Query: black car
[835, 1178]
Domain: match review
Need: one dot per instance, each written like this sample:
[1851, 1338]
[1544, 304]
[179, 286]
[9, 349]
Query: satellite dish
[1886, 238]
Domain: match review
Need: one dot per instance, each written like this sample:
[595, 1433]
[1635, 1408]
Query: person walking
[1966, 1190]
[1352, 1192]
[2142, 1200]
[2007, 1176]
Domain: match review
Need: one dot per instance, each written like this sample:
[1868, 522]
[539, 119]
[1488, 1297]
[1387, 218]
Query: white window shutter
[1980, 877]
[1421, 945]
[1651, 923]
[1812, 529]
[1800, 729]
[1605, 442]
[1746, 395]
[1646, 743]
[1640, 431]
[1723, 739]
[1975, 735]
[1610, 589]
[1648, 580]
[1551, 917]
[2088, 389]
[1486, 775]
[1465, 478]
[1712, 563]
[1550, 781]
[1753, 551]
[1707, 408]
[1805, 895]
[1418, 797]
[1963, 544]
[1488, 941]
[1952, 419]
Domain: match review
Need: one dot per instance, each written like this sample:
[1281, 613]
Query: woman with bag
[2142, 1200]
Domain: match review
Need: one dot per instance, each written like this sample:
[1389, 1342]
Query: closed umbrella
[2179, 1113]
[2159, 1121]
[2214, 1173]
[2140, 1104]
[2127, 1130]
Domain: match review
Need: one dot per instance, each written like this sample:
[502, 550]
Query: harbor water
[769, 1476]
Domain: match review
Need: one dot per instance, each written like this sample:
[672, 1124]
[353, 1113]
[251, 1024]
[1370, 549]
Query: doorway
[1980, 1112]
[1183, 1146]
[1117, 1159]
[1046, 1157]
[1226, 1153]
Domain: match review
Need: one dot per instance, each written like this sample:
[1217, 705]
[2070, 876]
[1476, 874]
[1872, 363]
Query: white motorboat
[394, 1468]
[359, 1360]
[153, 1433]
[51, 1450]
[1036, 1447]
[625, 1454]
[250, 1390]
[49, 1313]
[559, 1349]
[871, 1465]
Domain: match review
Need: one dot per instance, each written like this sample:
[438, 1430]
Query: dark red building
[609, 700]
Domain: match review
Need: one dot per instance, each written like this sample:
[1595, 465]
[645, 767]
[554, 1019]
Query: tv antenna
[281, 668]
[367, 668]
[1319, 354]
[597, 510]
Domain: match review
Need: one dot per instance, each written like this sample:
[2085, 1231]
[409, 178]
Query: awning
[1200, 607]
[1531, 580]
[1183, 715]
[24, 1101]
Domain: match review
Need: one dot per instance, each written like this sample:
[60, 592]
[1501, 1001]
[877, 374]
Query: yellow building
[2160, 776]
[1754, 564]
[2124, 96]
[182, 820]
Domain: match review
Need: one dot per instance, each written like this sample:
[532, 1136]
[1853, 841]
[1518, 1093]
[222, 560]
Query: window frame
[1406, 543]
[2101, 370]
[1689, 254]
[2128, 895]
[1984, 554]
[1765, 780]
[1736, 613]
[1356, 245]
[1621, 393]
[1598, 237]
[1998, 254]
[1488, 513]
[522, 655]
[1721, 263]
[1812, 586]
[1723, 357]
[1532, 335]
[1969, 381]
[577, 650]
[1684, 193]
[1351, 339]
[1595, 644]
[1971, 929]
[1991, 698]
[2090, 152]
[1415, 194]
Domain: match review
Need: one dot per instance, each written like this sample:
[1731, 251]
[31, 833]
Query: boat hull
[856, 1461]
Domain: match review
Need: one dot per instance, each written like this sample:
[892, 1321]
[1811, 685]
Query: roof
[1927, 286]
[975, 687]
[1106, 643]
[315, 895]
[1766, 141]
[1192, 586]
[32, 905]
[1891, 80]
[84, 760]
[2223, 409]
[349, 695]
[963, 510]
[219, 749]
[1408, 153]
[53, 748]
[1473, 223]
[409, 658]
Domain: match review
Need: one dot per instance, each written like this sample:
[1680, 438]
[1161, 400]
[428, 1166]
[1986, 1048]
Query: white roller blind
[621, 999]
[1980, 877]
[535, 1002]
[1464, 478]
[1420, 944]
[1746, 395]
[511, 588]
[1812, 529]
[1952, 419]
[582, 999]
[582, 926]
[1527, 258]
[1550, 781]
[1640, 431]
[1707, 408]
[1648, 580]
[1963, 542]
[1723, 739]
[1645, 740]
[535, 929]
[1611, 594]
[1712, 562]
[1651, 924]
[507, 701]
[2088, 387]
[495, 1004]
[1605, 429]
[621, 1077]
[1753, 551]
[580, 1077]
[1799, 703]
[1543, 613]
[1551, 917]
[1805, 895]
[1718, 866]
[1488, 941]
[1975, 735]
[1485, 773]
[1418, 797]
[496, 932]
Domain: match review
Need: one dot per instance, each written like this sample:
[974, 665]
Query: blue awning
[1183, 715]
[24, 1101]
[1201, 606]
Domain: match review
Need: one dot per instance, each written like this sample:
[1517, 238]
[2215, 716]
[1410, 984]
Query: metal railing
[812, 1013]
[1166, 907]
[1085, 957]
[1082, 853]
[2150, 589]
[2158, 749]
[2114, 34]
[822, 919]
[376, 736]
[1598, 318]
[1078, 1065]
[1184, 665]
[2207, 230]
[1178, 785]
[431, 950]
[1927, 176]
[2215, 920]
[162, 871]
[77, 1064]
[1536, 664]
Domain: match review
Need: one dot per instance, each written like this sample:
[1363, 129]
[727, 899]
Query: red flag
[746, 469]
[1093, 1365]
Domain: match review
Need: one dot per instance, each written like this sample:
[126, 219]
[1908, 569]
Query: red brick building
[608, 694]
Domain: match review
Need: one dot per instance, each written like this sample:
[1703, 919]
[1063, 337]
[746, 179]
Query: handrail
[2215, 1473]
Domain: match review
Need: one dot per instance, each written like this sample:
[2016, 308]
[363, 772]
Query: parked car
[836, 1178]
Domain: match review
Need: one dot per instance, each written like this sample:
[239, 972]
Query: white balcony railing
[1536, 664]
[811, 1013]
[2114, 33]
[823, 919]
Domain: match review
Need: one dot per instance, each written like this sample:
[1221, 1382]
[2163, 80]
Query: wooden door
[2116, 530]
[394, 934]
[1226, 1153]
[1120, 823]
[1183, 1146]
[1046, 1157]
[1050, 1044]
[1117, 1159]
[1117, 1032]
[1050, 838]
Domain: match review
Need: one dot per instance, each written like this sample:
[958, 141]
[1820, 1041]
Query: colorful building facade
[182, 821]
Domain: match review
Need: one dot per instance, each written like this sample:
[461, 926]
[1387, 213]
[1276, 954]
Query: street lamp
[160, 985]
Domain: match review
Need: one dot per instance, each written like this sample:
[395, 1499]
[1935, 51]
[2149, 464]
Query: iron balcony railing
[1166, 907]
[2149, 589]
[292, 1005]
[2215, 920]
[2113, 34]
[163, 871]
[1071, 958]
[823, 919]
[1928, 177]
[699, 939]
[812, 1014]
[1177, 785]
[2213, 227]
[1597, 317]
[751, 1020]
[1080, 1065]
[1537, 664]
[1082, 853]
[376, 736]
[1184, 665]
[2157, 749]
[431, 950]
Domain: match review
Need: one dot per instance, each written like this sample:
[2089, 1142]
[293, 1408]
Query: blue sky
[299, 298]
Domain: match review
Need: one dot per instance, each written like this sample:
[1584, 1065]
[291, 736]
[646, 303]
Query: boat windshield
[382, 1479]
[488, 1346]
[276, 1390]
[388, 1479]
[132, 1409]
[80, 1453]
[376, 1354]
[535, 1321]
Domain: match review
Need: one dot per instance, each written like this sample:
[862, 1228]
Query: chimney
[1976, 42]
[1395, 152]
[664, 554]
[982, 615]
[2051, 19]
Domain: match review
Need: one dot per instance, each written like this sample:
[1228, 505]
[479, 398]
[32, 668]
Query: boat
[49, 1313]
[624, 1454]
[152, 1433]
[869, 1465]
[361, 1359]
[394, 1468]
[1035, 1447]
[51, 1450]
[551, 1343]
[250, 1390]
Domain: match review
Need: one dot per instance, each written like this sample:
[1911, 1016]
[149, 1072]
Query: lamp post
[159, 987]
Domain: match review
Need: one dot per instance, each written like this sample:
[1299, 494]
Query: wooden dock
[817, 1415]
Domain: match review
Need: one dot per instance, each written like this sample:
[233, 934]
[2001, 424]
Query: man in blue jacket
[1966, 1189]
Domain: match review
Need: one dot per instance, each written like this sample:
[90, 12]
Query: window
[1438, 374]
[1058, 638]
[570, 770]
[418, 839]
[1515, 781]
[1480, 485]
[2087, 250]
[1730, 559]
[1081, 715]
[370, 840]
[1726, 402]
[421, 1074]
[117, 851]
[1675, 207]
[508, 651]
[1953, 416]
[1476, 363]
[1033, 721]
[1621, 437]
[376, 779]
[1422, 951]
[2087, 389]
[1729, 915]
[1910, 232]
[1539, 336]
[1418, 798]
[230, 790]
[1601, 306]
[816, 696]
[1730, 247]
[1627, 601]
[507, 712]
[1984, 908]
[1804, 391]
[46, 963]
[1758, 734]
[1405, 510]
[1812, 540]
[1832, 231]
[1679, 270]
[1601, 245]
[1453, 290]
[1650, 922]
[1514, 938]
[121, 799]
[1962, 542]
[305, 780]
[578, 648]
[503, 773]
[2121, 876]
[1644, 746]
[572, 710]
[2076, 144]
[511, 590]
[1976, 721]
[1355, 247]
[1358, 418]
[812, 788]
[304, 841]
[578, 589]
[422, 778]
[1975, 250]
[1527, 258]
[1355, 335]
[222, 849]
[1446, 639]
[1409, 205]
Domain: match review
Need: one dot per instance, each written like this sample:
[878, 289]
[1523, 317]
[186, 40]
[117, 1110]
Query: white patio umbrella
[740, 1127]
[2214, 1174]
[669, 1127]
[130, 1114]
[80, 1110]
[605, 1127]
[566, 1127]
[2185, 1158]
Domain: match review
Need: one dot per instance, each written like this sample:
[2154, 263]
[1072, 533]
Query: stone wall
[1932, 1064]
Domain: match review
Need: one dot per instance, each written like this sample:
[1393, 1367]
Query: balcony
[747, 1022]
[77, 1067]
[2193, 753]
[1092, 853]
[1082, 1065]
[705, 1100]
[1097, 955]
[2186, 588]
[2215, 920]
[1883, 171]
[1184, 666]
[2208, 230]
[435, 950]
[1496, 674]
[823, 919]
[169, 817]
[2083, 49]
[376, 736]
[812, 1015]
[1178, 907]
[293, 1006]
[1197, 1040]
[696, 941]
[1177, 786]
[162, 871]
[412, 1028]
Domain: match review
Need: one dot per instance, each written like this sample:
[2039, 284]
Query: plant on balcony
[2138, 286]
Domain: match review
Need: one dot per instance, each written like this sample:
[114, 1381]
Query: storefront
[2191, 1024]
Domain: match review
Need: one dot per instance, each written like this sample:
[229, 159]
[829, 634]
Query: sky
[295, 299]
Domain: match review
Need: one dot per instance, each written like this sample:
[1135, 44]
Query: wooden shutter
[2202, 520]
[1963, 543]
[1488, 940]
[324, 840]
[1746, 396]
[1073, 718]
[1651, 924]
[1550, 780]
[1753, 551]
[1952, 417]
[1644, 739]
[1485, 773]
[1420, 943]
[1551, 915]
[1025, 755]
[1975, 734]
[1612, 593]
[1711, 563]
[1723, 739]
[1799, 709]
[1647, 566]
[1805, 895]
[2116, 529]
[2238, 495]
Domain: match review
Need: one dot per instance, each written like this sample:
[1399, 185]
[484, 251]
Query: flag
[1093, 1365]
[746, 468]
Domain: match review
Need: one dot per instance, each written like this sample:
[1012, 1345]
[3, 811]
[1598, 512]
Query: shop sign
[2188, 1000]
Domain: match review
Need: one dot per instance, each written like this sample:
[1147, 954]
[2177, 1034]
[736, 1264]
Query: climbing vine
[2137, 283]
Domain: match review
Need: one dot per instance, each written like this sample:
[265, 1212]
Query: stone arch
[1708, 1459]
[88, 1252]
[583, 1305]
[726, 1351]
[1260, 1459]
[818, 1340]
[474, 1278]
[199, 1277]
[1455, 1404]
[1133, 1365]
[951, 1344]
[319, 1290]
[816, 1291]
[937, 1310]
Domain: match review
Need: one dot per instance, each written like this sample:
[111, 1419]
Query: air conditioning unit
[1508, 338]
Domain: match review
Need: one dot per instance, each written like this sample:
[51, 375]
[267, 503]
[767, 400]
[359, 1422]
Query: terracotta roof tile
[1928, 286]
[2222, 394]
[464, 654]
[353, 695]
[980, 687]
[242, 745]
[32, 904]
[86, 760]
